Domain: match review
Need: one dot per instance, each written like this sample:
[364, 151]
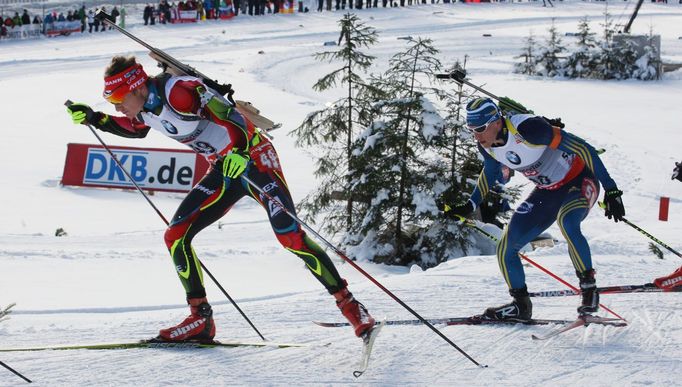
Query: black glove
[614, 204]
[454, 211]
[677, 172]
[555, 122]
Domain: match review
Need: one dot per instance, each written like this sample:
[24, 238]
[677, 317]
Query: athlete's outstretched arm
[491, 173]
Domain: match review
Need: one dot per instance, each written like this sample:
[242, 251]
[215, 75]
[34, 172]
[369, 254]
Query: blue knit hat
[482, 111]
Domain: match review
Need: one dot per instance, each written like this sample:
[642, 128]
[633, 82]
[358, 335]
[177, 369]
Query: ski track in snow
[111, 279]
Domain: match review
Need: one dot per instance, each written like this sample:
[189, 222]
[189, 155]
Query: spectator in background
[91, 20]
[47, 22]
[25, 18]
[152, 15]
[61, 17]
[172, 12]
[82, 17]
[200, 10]
[216, 7]
[166, 12]
[16, 20]
[36, 19]
[208, 8]
[104, 26]
[9, 22]
[147, 13]
[114, 14]
[96, 21]
[162, 12]
[69, 16]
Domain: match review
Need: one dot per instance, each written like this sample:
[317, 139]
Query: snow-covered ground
[111, 278]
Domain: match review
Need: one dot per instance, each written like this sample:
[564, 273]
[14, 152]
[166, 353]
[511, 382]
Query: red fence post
[663, 209]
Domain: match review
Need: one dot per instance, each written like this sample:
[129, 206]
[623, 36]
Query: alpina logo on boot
[671, 281]
[184, 329]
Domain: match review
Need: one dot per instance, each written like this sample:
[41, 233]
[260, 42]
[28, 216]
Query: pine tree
[330, 132]
[399, 168]
[528, 66]
[646, 67]
[549, 60]
[624, 67]
[582, 62]
[607, 56]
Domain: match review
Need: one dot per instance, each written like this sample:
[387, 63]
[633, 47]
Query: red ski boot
[354, 312]
[198, 326]
[670, 281]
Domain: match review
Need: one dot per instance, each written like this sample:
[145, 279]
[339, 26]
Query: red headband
[117, 86]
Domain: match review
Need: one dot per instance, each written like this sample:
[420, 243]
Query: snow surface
[111, 278]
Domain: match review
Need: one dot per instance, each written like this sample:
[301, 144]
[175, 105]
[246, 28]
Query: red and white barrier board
[185, 16]
[153, 169]
[62, 28]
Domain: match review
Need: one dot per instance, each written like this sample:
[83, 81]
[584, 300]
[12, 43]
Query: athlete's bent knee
[294, 240]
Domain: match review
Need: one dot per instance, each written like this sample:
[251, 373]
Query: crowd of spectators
[80, 20]
[76, 20]
[16, 20]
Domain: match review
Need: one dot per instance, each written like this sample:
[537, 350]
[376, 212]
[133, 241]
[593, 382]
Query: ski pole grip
[68, 103]
[103, 16]
[457, 75]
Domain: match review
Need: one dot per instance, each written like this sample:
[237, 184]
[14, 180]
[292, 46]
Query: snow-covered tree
[582, 62]
[528, 65]
[550, 63]
[646, 66]
[608, 54]
[401, 167]
[329, 133]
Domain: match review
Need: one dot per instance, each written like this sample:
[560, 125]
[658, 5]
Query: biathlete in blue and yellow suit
[563, 168]
[186, 110]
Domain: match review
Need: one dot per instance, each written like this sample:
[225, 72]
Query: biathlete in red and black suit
[184, 109]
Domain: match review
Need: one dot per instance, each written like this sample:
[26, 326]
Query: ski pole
[459, 76]
[69, 103]
[646, 288]
[472, 224]
[15, 372]
[358, 268]
[653, 238]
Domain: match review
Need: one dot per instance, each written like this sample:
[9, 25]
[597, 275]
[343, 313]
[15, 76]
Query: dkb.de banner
[153, 169]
